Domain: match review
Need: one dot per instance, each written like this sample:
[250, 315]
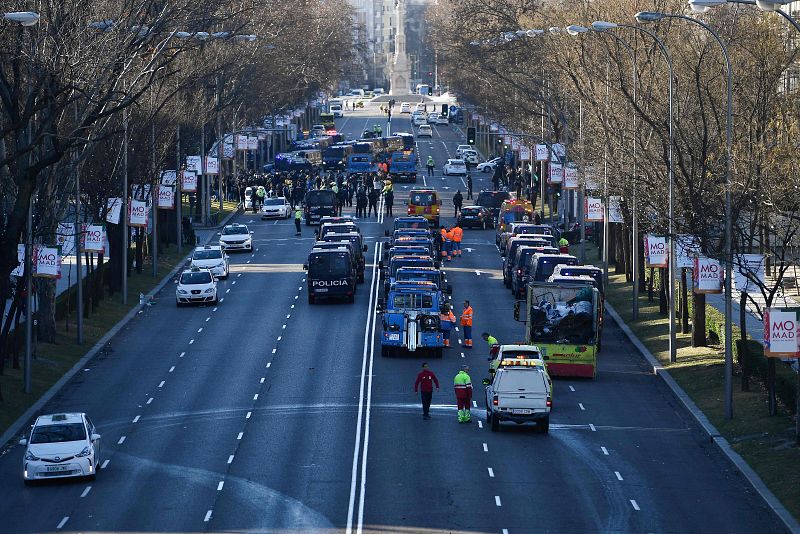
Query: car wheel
[178, 304]
[27, 482]
[544, 425]
[494, 423]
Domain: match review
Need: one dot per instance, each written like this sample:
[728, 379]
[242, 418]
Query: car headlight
[30, 457]
[209, 290]
[84, 453]
[183, 292]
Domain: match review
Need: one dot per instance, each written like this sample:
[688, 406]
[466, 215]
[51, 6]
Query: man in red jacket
[425, 381]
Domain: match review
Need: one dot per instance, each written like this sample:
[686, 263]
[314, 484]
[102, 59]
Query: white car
[470, 157]
[433, 118]
[196, 285]
[454, 166]
[61, 445]
[275, 207]
[248, 198]
[236, 237]
[336, 110]
[489, 166]
[425, 131]
[212, 258]
[442, 120]
[418, 120]
[405, 107]
[462, 148]
[520, 391]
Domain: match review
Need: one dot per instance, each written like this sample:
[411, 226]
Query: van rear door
[521, 389]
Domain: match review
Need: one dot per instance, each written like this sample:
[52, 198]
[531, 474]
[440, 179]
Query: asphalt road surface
[266, 414]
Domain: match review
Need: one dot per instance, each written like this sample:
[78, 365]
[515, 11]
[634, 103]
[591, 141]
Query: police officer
[458, 201]
[430, 165]
[298, 214]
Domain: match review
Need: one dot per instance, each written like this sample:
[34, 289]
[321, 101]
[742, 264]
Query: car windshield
[400, 224]
[338, 228]
[325, 265]
[274, 202]
[546, 266]
[470, 211]
[456, 162]
[318, 197]
[234, 230]
[424, 275]
[58, 433]
[413, 300]
[202, 277]
[422, 199]
[493, 199]
[207, 254]
[517, 214]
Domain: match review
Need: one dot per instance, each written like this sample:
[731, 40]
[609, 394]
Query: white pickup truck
[520, 392]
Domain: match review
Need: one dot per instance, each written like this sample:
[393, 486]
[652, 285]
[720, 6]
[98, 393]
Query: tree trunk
[744, 363]
[46, 312]
[139, 250]
[650, 282]
[699, 338]
[641, 266]
[12, 311]
[684, 300]
[663, 309]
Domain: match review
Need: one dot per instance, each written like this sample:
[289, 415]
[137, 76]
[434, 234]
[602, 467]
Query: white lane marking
[86, 491]
[227, 290]
[491, 472]
[219, 486]
[592, 427]
[149, 400]
[255, 397]
[459, 342]
[230, 459]
[300, 288]
[248, 415]
[105, 464]
[215, 309]
[136, 419]
[248, 261]
[199, 329]
[121, 440]
[280, 337]
[62, 523]
[208, 318]
[292, 306]
[580, 404]
[283, 327]
[485, 448]
[233, 283]
[605, 451]
[505, 531]
[373, 285]
[161, 385]
[221, 299]
[462, 355]
[274, 351]
[619, 477]
[296, 297]
[207, 518]
[240, 435]
[238, 275]
[288, 316]
[269, 364]
[635, 506]
[191, 341]
[480, 424]
[456, 329]
[262, 380]
[182, 354]
[497, 500]
[171, 368]
[474, 404]
[571, 388]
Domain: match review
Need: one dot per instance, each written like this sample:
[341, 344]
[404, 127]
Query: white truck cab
[520, 391]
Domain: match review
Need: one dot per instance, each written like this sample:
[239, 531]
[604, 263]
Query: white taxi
[196, 285]
[275, 207]
[212, 258]
[236, 237]
[60, 445]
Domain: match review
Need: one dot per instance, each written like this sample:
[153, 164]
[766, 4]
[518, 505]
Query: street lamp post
[703, 6]
[649, 16]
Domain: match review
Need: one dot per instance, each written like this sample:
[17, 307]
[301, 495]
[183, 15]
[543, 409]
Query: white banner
[524, 153]
[493, 127]
[593, 207]
[570, 176]
[137, 214]
[227, 150]
[47, 261]
[615, 209]
[686, 250]
[113, 210]
[166, 198]
[193, 163]
[19, 270]
[94, 238]
[782, 332]
[590, 179]
[542, 154]
[506, 140]
[169, 177]
[212, 165]
[252, 143]
[241, 142]
[556, 174]
[656, 253]
[748, 272]
[707, 275]
[65, 238]
[189, 181]
[514, 143]
[559, 151]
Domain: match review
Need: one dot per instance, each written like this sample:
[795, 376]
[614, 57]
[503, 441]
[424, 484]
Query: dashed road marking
[283, 327]
[269, 364]
[605, 451]
[505, 531]
[208, 318]
[199, 329]
[219, 486]
[104, 464]
[580, 405]
[62, 522]
[619, 477]
[477, 272]
[191, 341]
[221, 299]
[149, 400]
[255, 397]
[182, 355]
[485, 448]
[300, 288]
[288, 315]
[171, 368]
[274, 351]
[121, 440]
[497, 500]
[161, 385]
[571, 388]
[86, 491]
[635, 506]
[248, 415]
[592, 427]
[215, 309]
[491, 472]
[230, 459]
[296, 297]
[280, 337]
[136, 419]
[480, 423]
[240, 435]
[292, 306]
[474, 404]
[456, 329]
[228, 290]
[238, 275]
[233, 283]
[262, 380]
[207, 518]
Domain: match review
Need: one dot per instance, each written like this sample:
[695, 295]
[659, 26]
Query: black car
[475, 217]
[318, 203]
[492, 200]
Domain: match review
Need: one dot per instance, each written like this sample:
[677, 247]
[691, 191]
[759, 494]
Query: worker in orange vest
[458, 234]
[446, 243]
[446, 321]
[466, 324]
[451, 248]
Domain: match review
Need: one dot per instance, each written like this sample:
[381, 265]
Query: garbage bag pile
[562, 323]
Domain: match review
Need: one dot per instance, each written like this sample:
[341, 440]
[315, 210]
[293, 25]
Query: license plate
[394, 337]
[521, 411]
[56, 468]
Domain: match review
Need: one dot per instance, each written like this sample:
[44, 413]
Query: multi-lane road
[266, 414]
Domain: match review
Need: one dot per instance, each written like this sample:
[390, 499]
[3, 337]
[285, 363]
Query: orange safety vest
[458, 233]
[449, 235]
[466, 317]
[445, 235]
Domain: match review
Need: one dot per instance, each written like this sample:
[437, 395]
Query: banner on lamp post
[113, 210]
[687, 249]
[47, 262]
[241, 142]
[782, 332]
[514, 143]
[559, 152]
[137, 214]
[189, 181]
[169, 177]
[524, 153]
[615, 209]
[212, 165]
[252, 142]
[707, 275]
[656, 253]
[593, 207]
[94, 238]
[166, 197]
[555, 174]
[748, 272]
[570, 177]
[65, 238]
[590, 178]
[19, 270]
[542, 154]
[194, 164]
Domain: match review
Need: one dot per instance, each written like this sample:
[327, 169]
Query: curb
[15, 427]
[752, 477]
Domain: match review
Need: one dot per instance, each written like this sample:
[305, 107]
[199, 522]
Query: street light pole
[647, 16]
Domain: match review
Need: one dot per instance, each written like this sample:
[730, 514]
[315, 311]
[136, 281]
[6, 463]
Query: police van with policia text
[330, 275]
